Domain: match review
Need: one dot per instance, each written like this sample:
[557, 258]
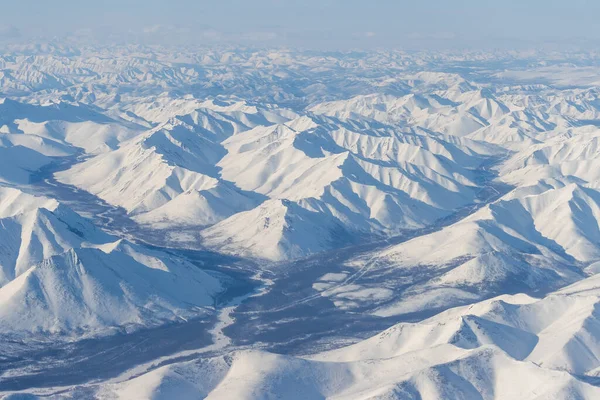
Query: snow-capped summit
[60, 274]
[277, 230]
[89, 291]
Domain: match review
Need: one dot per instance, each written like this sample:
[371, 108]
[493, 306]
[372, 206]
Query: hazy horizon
[328, 24]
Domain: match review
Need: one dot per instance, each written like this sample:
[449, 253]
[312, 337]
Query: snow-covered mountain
[177, 158]
[277, 229]
[365, 178]
[34, 228]
[89, 291]
[18, 162]
[59, 274]
[62, 125]
[508, 347]
[235, 223]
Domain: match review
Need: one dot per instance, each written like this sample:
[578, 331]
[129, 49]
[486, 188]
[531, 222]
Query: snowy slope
[526, 243]
[510, 347]
[174, 162]
[66, 124]
[369, 179]
[199, 208]
[59, 274]
[532, 240]
[454, 374]
[89, 291]
[571, 153]
[18, 163]
[441, 373]
[428, 111]
[372, 179]
[356, 189]
[277, 230]
[35, 228]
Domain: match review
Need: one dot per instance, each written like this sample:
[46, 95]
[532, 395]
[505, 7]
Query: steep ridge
[373, 179]
[276, 230]
[230, 114]
[87, 291]
[483, 373]
[457, 114]
[60, 275]
[18, 162]
[509, 347]
[66, 125]
[567, 153]
[528, 241]
[369, 179]
[378, 164]
[34, 228]
[176, 159]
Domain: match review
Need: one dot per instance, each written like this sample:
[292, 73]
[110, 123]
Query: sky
[318, 24]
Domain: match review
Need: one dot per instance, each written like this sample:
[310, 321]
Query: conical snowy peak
[276, 230]
[88, 290]
[61, 275]
[36, 228]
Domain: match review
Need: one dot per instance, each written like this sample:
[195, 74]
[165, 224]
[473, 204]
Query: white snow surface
[452, 195]
[60, 274]
[508, 347]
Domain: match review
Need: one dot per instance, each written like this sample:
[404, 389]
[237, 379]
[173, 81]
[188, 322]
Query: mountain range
[253, 224]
